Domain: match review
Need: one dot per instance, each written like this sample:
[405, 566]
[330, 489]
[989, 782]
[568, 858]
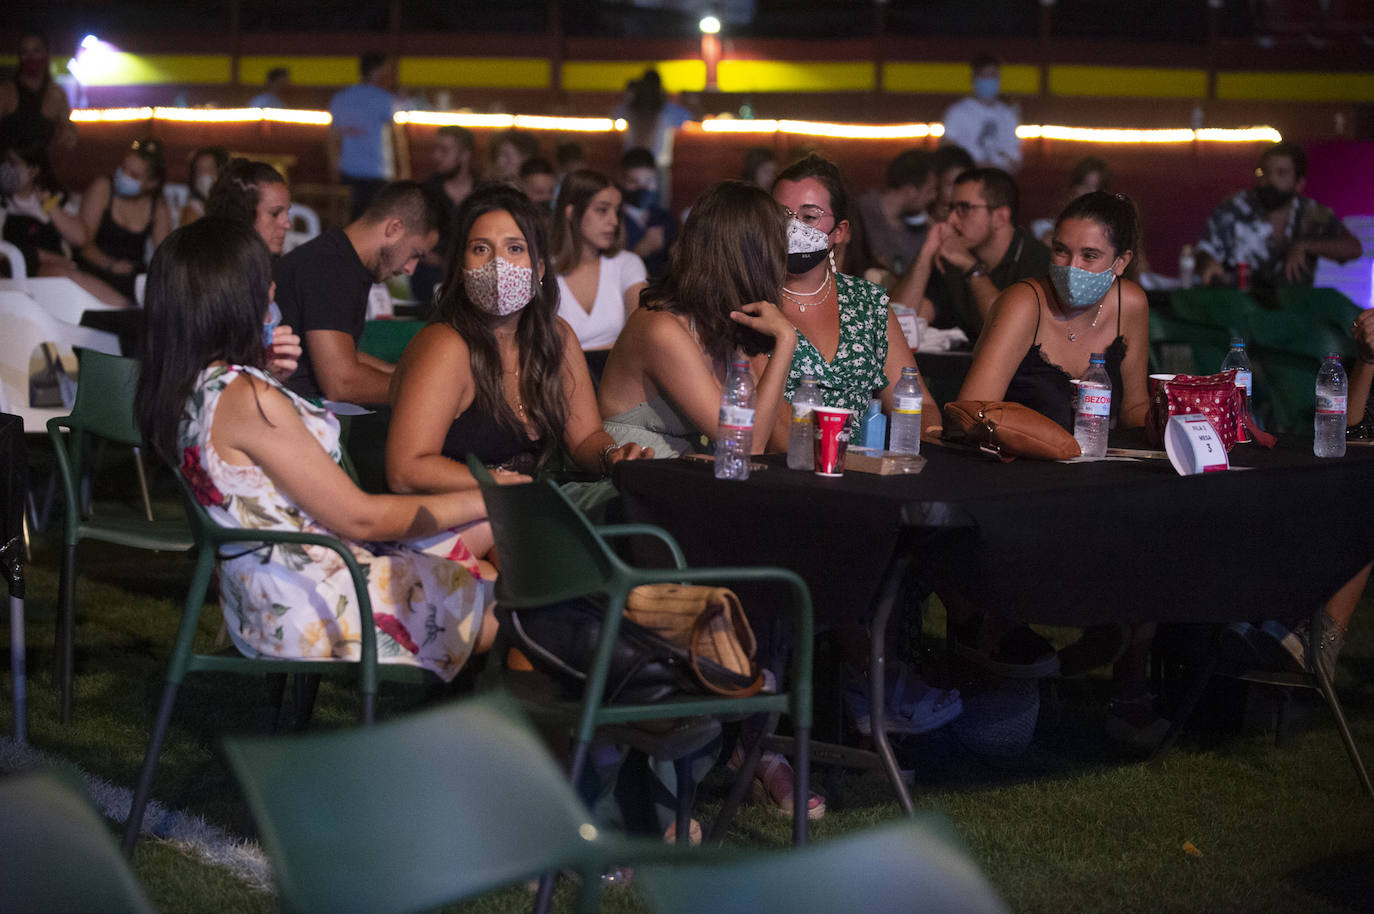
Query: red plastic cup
[831, 439]
[1243, 276]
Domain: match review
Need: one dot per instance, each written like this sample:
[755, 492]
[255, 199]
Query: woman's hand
[509, 477]
[768, 319]
[284, 352]
[122, 267]
[1363, 331]
[630, 451]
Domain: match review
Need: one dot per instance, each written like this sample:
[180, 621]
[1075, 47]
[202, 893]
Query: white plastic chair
[18, 272]
[308, 219]
[59, 296]
[27, 326]
[1356, 278]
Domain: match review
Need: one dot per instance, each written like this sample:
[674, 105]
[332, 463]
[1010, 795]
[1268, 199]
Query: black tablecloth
[1046, 542]
[14, 491]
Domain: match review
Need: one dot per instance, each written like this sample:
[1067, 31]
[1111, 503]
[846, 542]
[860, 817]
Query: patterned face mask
[499, 287]
[1078, 287]
[806, 246]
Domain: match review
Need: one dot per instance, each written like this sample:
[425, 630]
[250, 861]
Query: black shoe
[1018, 654]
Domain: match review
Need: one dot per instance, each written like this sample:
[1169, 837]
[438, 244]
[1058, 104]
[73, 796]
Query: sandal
[911, 705]
[773, 788]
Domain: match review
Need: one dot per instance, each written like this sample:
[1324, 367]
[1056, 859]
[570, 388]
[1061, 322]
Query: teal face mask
[987, 87]
[1078, 287]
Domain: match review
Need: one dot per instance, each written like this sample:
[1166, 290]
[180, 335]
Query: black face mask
[448, 175]
[1271, 198]
[798, 264]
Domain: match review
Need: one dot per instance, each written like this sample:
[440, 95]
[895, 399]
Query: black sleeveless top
[476, 431]
[121, 244]
[26, 125]
[1047, 388]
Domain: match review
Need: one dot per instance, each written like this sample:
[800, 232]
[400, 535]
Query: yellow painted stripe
[794, 76]
[955, 78]
[120, 68]
[477, 72]
[1304, 87]
[1128, 82]
[612, 75]
[305, 71]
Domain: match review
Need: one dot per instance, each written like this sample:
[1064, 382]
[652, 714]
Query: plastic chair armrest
[611, 531]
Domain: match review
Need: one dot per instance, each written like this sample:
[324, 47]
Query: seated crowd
[575, 325]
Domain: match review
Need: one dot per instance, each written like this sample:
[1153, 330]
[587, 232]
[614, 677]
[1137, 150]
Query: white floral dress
[855, 374]
[297, 601]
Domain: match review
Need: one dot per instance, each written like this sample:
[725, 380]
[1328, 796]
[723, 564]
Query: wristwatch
[978, 269]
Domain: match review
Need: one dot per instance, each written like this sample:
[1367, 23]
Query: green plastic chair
[209, 537]
[550, 553]
[1224, 308]
[56, 853]
[1206, 344]
[104, 409]
[903, 866]
[1327, 306]
[420, 811]
[387, 339]
[1286, 349]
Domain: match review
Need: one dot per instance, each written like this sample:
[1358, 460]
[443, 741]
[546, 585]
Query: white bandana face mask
[499, 287]
[806, 246]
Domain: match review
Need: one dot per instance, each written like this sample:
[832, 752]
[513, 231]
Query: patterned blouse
[297, 601]
[1239, 231]
[855, 374]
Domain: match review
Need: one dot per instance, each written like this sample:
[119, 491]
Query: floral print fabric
[297, 601]
[1239, 231]
[855, 374]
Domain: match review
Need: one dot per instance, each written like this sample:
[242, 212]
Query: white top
[988, 132]
[602, 325]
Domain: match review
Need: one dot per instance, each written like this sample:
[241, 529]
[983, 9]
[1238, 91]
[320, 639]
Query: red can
[1243, 276]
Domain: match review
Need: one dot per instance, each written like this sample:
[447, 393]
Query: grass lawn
[1066, 825]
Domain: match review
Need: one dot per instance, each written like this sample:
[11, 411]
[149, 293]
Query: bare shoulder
[1133, 299]
[1018, 304]
[657, 328]
[437, 340]
[250, 399]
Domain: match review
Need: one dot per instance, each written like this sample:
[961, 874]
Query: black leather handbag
[560, 641]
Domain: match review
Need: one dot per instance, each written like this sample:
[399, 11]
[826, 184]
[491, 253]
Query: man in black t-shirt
[323, 285]
[975, 254]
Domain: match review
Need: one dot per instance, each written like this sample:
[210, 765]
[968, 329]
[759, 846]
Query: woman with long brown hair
[662, 384]
[598, 280]
[497, 374]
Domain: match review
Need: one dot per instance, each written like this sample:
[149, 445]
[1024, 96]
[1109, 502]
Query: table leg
[893, 577]
[21, 714]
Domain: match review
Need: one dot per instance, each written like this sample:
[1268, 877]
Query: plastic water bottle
[269, 323]
[1237, 359]
[1187, 266]
[800, 447]
[735, 439]
[1094, 412]
[905, 437]
[1329, 426]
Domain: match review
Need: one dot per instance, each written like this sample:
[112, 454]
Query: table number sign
[1194, 446]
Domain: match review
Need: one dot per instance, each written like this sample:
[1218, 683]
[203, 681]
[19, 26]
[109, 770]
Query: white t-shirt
[602, 325]
[988, 132]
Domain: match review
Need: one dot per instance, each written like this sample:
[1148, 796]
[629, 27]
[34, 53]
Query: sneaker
[1018, 654]
[1291, 645]
[1098, 646]
[910, 705]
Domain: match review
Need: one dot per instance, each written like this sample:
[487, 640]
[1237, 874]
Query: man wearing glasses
[975, 254]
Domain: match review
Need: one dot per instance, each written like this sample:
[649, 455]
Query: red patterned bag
[1215, 396]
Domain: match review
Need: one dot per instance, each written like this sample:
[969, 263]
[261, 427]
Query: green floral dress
[855, 374]
[296, 601]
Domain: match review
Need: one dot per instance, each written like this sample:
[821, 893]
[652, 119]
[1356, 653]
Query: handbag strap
[694, 657]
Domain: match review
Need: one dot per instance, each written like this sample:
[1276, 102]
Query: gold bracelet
[605, 452]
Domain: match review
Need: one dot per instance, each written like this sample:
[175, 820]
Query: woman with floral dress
[259, 457]
[850, 341]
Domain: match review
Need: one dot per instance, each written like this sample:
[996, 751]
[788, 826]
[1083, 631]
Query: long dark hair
[1120, 221]
[577, 191]
[732, 251]
[536, 333]
[206, 297]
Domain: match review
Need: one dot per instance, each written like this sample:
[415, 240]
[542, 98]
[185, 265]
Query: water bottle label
[1330, 405]
[907, 405]
[736, 417]
[1244, 379]
[1094, 401]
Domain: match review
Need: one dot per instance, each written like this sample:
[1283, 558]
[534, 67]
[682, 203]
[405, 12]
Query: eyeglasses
[808, 214]
[963, 207]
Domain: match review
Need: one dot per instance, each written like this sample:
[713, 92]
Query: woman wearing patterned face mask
[849, 339]
[122, 213]
[1039, 336]
[498, 374]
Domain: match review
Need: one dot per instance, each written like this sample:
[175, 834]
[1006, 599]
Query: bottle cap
[908, 371]
[1237, 342]
[1098, 357]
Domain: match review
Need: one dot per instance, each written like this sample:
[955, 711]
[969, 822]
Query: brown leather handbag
[1007, 430]
[706, 622]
